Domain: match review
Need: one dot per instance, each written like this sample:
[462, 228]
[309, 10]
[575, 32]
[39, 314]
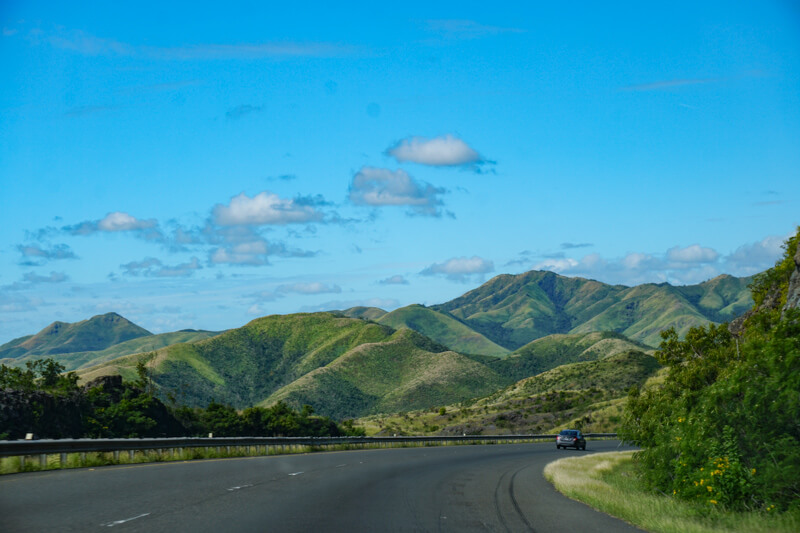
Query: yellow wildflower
[713, 501]
[753, 471]
[710, 488]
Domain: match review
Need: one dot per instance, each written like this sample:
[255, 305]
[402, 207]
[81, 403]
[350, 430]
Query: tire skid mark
[516, 503]
[497, 493]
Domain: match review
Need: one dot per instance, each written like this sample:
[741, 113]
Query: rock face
[793, 294]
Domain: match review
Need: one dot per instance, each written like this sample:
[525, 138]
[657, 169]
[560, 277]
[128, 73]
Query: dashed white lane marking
[118, 522]
[340, 466]
[296, 473]
[239, 487]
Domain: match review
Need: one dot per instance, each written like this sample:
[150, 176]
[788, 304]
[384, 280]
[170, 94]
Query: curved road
[454, 488]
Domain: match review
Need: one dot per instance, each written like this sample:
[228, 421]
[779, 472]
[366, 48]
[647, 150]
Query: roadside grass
[608, 482]
[36, 463]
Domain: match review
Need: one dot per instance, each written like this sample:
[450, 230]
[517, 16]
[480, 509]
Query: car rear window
[569, 433]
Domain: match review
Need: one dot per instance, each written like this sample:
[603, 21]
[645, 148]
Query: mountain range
[365, 360]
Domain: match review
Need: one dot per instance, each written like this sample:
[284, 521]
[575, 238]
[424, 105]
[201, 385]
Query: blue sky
[198, 168]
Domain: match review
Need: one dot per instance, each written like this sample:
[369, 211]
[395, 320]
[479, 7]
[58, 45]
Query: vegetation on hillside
[514, 310]
[43, 400]
[442, 328]
[96, 333]
[723, 428]
[587, 395]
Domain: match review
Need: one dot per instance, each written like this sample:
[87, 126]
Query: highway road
[453, 488]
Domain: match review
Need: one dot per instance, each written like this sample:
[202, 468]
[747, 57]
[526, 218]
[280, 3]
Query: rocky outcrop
[793, 294]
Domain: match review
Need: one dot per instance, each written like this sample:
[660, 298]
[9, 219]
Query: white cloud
[119, 221]
[460, 268]
[309, 288]
[116, 221]
[692, 254]
[35, 255]
[152, 267]
[679, 266]
[397, 279]
[387, 304]
[756, 257]
[382, 187]
[252, 253]
[262, 209]
[446, 150]
[54, 277]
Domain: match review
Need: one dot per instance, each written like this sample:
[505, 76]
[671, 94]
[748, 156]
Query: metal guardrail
[43, 448]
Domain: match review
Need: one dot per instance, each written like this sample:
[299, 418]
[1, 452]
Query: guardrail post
[131, 454]
[43, 460]
[116, 455]
[63, 458]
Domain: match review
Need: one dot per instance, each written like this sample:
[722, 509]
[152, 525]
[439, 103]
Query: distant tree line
[43, 400]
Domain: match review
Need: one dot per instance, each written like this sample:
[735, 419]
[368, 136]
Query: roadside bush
[724, 428]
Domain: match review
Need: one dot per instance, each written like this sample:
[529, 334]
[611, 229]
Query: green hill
[587, 395]
[243, 366]
[367, 313]
[552, 351]
[407, 371]
[77, 360]
[96, 333]
[443, 329]
[514, 310]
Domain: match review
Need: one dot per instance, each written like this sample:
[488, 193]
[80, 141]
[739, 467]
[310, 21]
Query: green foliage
[723, 429]
[41, 400]
[776, 279]
[42, 374]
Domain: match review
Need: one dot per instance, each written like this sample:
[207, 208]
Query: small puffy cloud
[383, 187]
[152, 267]
[252, 253]
[34, 255]
[572, 245]
[692, 254]
[54, 277]
[265, 208]
[309, 288]
[119, 221]
[446, 150]
[397, 279]
[112, 223]
[460, 268]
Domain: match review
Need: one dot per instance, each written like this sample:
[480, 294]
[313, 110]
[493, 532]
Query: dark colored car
[570, 438]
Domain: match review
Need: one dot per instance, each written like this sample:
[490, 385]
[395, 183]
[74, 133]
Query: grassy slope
[407, 371]
[366, 313]
[588, 395]
[608, 482]
[443, 329]
[549, 352]
[514, 310]
[243, 366]
[77, 360]
[96, 333]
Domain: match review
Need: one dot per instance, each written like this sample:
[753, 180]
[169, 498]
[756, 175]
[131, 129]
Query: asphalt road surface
[452, 488]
